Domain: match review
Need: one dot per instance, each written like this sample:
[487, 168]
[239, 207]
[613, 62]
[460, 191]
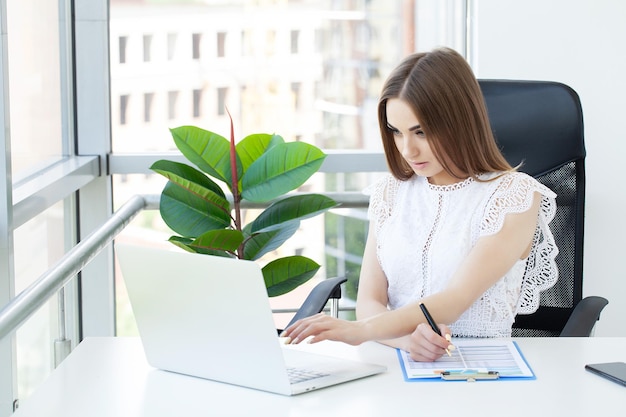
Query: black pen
[432, 323]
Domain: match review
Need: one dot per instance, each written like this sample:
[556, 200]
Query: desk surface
[110, 377]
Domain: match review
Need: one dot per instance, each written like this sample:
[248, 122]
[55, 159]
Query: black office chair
[327, 290]
[540, 124]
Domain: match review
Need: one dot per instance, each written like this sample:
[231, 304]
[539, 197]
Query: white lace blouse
[424, 231]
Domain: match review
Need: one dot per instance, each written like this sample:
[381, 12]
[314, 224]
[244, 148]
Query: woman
[454, 226]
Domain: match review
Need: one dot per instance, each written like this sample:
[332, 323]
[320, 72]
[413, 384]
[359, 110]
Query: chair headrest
[537, 122]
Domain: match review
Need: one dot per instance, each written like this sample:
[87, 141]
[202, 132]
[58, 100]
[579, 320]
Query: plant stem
[235, 182]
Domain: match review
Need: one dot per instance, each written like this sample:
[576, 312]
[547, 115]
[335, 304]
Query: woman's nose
[409, 148]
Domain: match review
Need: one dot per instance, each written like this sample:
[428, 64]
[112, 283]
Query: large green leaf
[185, 243]
[259, 244]
[188, 214]
[250, 148]
[207, 150]
[281, 169]
[284, 274]
[290, 209]
[181, 242]
[195, 182]
[224, 240]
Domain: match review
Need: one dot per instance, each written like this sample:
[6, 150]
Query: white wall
[579, 43]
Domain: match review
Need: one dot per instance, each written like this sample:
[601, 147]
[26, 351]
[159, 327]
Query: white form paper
[481, 355]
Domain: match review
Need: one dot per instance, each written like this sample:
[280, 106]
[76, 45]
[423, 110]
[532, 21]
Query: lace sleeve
[514, 194]
[382, 195]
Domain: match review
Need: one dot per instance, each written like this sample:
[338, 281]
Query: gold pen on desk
[435, 328]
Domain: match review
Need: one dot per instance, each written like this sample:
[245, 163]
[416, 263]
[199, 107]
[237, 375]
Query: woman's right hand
[323, 327]
[426, 346]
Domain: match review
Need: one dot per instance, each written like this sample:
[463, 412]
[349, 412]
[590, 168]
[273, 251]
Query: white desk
[110, 377]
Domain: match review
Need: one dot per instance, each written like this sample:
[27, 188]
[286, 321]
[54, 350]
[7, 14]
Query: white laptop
[210, 317]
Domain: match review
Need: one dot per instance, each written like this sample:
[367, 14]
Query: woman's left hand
[425, 345]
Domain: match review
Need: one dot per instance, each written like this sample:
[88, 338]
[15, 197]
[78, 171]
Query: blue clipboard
[504, 361]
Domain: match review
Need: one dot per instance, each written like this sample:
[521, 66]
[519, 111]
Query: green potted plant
[261, 168]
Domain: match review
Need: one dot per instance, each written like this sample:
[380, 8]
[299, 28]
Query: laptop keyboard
[299, 375]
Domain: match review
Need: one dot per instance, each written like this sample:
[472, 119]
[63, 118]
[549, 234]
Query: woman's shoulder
[515, 182]
[381, 201]
[514, 192]
[384, 195]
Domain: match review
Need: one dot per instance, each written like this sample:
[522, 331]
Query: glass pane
[309, 70]
[34, 84]
[39, 244]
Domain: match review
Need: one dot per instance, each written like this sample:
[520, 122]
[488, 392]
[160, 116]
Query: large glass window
[309, 70]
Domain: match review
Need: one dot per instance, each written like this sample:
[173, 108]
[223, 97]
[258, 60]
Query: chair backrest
[540, 124]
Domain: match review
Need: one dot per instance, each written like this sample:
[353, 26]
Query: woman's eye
[393, 130]
[420, 133]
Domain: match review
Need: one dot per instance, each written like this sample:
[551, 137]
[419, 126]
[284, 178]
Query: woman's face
[412, 144]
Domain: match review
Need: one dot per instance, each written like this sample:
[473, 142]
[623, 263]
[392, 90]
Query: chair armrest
[318, 297]
[584, 317]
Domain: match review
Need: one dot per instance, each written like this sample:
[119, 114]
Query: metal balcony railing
[34, 296]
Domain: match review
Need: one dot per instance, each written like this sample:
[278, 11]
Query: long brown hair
[445, 96]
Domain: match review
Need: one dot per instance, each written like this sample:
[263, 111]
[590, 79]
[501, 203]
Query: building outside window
[222, 95]
[295, 89]
[295, 38]
[172, 104]
[147, 48]
[221, 44]
[124, 99]
[196, 38]
[172, 39]
[122, 44]
[197, 103]
[148, 99]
